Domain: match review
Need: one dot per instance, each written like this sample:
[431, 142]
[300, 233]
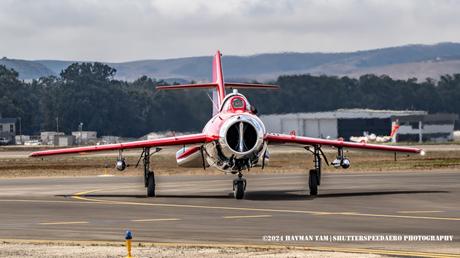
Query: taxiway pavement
[201, 209]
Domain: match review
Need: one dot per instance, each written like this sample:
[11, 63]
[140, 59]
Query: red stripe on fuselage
[188, 152]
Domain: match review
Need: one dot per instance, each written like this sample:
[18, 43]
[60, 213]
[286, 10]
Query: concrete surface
[201, 209]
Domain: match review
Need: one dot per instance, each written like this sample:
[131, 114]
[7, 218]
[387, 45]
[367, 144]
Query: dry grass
[282, 160]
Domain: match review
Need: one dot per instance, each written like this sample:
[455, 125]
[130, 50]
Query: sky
[124, 30]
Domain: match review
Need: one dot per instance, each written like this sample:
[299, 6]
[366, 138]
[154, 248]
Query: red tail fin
[394, 129]
[218, 77]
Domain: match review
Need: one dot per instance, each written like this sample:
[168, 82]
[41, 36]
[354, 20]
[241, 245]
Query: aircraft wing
[284, 138]
[177, 140]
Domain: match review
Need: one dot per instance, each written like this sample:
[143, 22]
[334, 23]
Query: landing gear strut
[149, 175]
[314, 177]
[239, 186]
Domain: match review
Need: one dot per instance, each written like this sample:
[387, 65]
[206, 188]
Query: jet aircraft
[234, 140]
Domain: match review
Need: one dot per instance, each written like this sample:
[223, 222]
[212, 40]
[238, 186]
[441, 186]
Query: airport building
[21, 139]
[346, 123]
[64, 140]
[85, 137]
[7, 130]
[47, 138]
[422, 128]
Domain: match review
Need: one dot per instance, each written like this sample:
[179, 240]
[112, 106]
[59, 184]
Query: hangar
[421, 128]
[354, 122]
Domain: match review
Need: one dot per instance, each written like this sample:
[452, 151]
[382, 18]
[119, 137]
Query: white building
[85, 137]
[47, 138]
[64, 140]
[20, 139]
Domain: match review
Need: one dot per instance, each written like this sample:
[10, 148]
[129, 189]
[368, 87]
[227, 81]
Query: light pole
[20, 129]
[57, 124]
[80, 127]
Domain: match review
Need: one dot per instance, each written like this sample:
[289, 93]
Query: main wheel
[239, 185]
[313, 182]
[151, 185]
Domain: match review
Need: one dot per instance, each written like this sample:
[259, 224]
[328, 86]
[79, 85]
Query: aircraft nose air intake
[240, 136]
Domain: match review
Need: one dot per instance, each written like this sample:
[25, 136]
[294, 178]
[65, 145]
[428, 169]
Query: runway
[275, 211]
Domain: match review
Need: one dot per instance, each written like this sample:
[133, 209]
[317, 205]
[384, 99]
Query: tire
[313, 182]
[151, 185]
[239, 189]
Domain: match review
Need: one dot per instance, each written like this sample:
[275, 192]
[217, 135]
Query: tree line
[88, 93]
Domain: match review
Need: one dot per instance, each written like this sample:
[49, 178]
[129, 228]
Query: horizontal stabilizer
[256, 86]
[188, 86]
[229, 85]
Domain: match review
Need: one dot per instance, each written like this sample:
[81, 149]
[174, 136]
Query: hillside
[27, 69]
[402, 62]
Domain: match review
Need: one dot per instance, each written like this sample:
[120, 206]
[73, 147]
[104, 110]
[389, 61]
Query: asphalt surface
[201, 209]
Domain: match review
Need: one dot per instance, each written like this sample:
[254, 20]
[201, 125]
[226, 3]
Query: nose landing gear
[239, 186]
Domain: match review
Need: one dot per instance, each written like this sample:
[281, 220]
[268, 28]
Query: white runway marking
[153, 220]
[64, 223]
[247, 216]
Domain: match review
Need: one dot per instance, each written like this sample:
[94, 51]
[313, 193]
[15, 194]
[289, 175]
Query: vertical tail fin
[218, 77]
[394, 128]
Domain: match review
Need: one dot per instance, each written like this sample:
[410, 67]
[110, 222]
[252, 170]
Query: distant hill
[420, 61]
[27, 69]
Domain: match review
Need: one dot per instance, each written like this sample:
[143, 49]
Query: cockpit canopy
[235, 102]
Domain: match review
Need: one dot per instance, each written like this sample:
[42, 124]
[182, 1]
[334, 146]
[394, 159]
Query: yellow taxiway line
[80, 196]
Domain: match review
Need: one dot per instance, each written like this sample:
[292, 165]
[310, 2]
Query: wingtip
[35, 154]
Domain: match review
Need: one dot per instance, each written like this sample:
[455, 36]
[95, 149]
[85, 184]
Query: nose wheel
[239, 187]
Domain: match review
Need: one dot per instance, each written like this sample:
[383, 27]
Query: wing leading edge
[284, 138]
[178, 140]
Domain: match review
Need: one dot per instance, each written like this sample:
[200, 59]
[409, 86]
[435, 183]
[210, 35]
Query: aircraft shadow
[259, 195]
[103, 195]
[250, 195]
[302, 194]
[338, 195]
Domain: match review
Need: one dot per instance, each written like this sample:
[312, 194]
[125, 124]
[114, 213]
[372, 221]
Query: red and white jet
[234, 140]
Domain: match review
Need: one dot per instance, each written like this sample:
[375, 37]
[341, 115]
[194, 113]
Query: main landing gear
[149, 175]
[314, 177]
[239, 186]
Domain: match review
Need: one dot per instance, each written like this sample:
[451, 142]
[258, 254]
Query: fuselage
[240, 141]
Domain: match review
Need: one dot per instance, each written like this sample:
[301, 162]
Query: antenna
[214, 104]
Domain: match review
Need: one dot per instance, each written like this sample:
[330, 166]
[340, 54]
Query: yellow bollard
[128, 238]
[106, 172]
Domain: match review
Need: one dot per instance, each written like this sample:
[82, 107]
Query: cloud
[121, 30]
